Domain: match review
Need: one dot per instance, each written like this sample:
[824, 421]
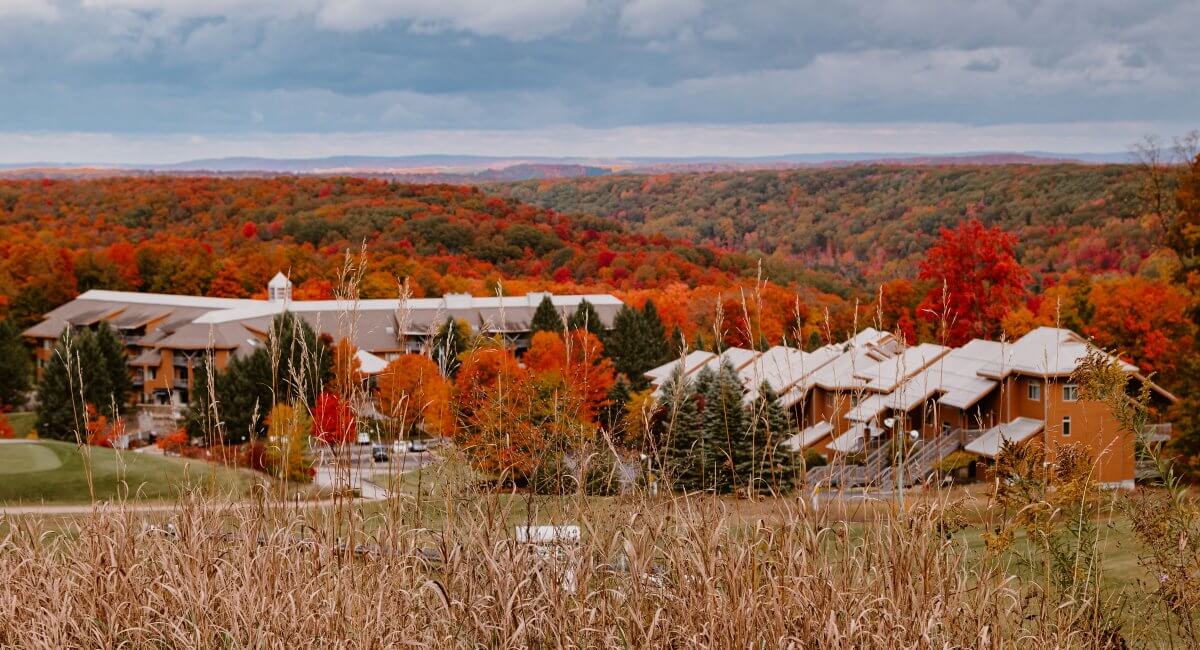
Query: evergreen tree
[613, 412]
[116, 363]
[16, 369]
[546, 318]
[60, 410]
[679, 432]
[586, 318]
[637, 343]
[244, 398]
[724, 427]
[303, 361]
[765, 465]
[658, 349]
[814, 340]
[76, 375]
[678, 345]
[449, 342]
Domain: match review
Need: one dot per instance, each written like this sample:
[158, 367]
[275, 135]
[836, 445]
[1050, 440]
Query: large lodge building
[167, 336]
[844, 397]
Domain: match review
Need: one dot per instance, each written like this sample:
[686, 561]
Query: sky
[156, 81]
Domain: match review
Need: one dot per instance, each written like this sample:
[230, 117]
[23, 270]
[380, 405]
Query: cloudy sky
[166, 80]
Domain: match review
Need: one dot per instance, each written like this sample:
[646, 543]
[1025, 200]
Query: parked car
[364, 438]
[379, 454]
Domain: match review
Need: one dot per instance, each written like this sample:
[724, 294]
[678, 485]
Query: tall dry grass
[680, 572]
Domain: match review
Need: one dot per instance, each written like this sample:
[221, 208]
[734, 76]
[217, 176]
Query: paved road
[356, 469]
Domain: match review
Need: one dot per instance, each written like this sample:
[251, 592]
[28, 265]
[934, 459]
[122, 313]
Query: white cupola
[279, 289]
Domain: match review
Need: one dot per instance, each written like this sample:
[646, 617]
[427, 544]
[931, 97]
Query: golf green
[25, 457]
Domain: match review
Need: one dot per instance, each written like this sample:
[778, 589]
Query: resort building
[850, 400]
[167, 336]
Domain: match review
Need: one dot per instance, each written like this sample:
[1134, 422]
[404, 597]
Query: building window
[1070, 393]
[1035, 391]
[1066, 426]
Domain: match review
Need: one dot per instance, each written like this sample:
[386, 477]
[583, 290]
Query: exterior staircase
[924, 457]
[843, 475]
[878, 470]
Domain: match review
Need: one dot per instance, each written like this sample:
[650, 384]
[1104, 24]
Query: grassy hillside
[53, 472]
[874, 221]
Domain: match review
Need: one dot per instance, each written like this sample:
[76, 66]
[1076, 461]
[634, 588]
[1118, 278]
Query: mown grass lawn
[52, 472]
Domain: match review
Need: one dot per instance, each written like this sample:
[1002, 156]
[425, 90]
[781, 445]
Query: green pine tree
[243, 394]
[16, 368]
[76, 375]
[765, 465]
[61, 410]
[613, 413]
[586, 318]
[680, 422]
[546, 318]
[724, 427]
[637, 343]
[116, 364]
[678, 346]
[449, 342]
[303, 361]
[658, 349]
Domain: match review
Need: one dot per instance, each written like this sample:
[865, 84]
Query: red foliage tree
[333, 420]
[977, 281]
[101, 432]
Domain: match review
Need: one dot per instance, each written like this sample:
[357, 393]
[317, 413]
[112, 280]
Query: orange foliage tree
[6, 428]
[413, 392]
[347, 370]
[578, 360]
[1147, 319]
[512, 419]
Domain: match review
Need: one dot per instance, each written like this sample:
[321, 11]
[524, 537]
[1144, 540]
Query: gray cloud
[240, 66]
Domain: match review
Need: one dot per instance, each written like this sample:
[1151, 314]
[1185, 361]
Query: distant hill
[438, 168]
[873, 221]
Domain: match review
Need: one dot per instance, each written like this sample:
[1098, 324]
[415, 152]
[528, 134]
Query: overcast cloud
[625, 77]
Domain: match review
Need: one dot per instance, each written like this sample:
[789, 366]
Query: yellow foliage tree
[287, 456]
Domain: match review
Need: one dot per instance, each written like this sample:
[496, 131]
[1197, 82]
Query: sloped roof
[809, 436]
[850, 441]
[889, 373]
[1019, 430]
[781, 368]
[369, 364]
[147, 358]
[1044, 351]
[691, 362]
